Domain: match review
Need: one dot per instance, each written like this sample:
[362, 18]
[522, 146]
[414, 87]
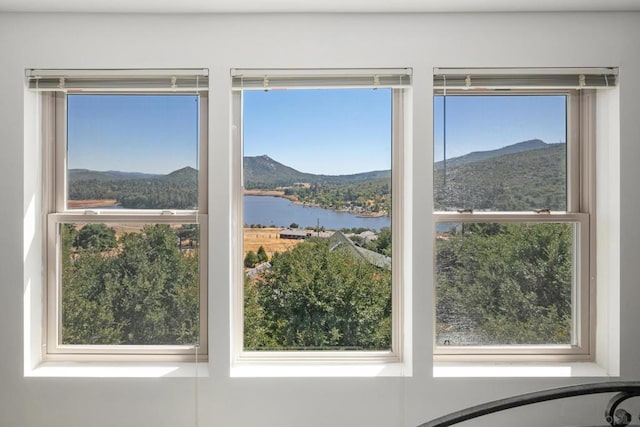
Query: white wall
[221, 42]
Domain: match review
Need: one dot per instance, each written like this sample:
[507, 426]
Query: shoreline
[109, 203]
[272, 193]
[91, 203]
[295, 201]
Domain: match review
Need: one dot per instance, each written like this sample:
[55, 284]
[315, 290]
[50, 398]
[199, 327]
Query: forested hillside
[265, 173]
[520, 181]
[476, 156]
[177, 190]
[524, 176]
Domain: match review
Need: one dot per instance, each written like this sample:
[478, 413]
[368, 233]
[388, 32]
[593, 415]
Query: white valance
[267, 79]
[153, 80]
[524, 78]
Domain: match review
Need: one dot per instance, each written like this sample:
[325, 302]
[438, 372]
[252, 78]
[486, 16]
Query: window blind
[252, 79]
[156, 80]
[524, 78]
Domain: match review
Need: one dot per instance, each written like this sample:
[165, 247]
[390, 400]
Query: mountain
[476, 156]
[521, 177]
[264, 172]
[131, 175]
[176, 190]
[187, 175]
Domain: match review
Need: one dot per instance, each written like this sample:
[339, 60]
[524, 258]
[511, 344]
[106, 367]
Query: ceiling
[314, 6]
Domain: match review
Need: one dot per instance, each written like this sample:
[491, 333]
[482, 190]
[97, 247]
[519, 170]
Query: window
[320, 197]
[125, 196]
[514, 213]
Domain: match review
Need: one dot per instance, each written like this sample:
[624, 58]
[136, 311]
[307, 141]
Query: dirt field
[82, 204]
[268, 238]
[253, 238]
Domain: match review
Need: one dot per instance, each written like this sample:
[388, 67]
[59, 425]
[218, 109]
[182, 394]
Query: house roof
[339, 240]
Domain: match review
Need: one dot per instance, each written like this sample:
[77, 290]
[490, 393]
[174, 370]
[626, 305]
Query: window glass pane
[132, 151]
[317, 216]
[500, 152]
[135, 284]
[501, 284]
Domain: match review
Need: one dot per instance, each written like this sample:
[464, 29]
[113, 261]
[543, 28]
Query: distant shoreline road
[294, 199]
[272, 193]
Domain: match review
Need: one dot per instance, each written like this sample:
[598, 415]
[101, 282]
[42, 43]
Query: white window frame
[581, 209]
[399, 80]
[56, 212]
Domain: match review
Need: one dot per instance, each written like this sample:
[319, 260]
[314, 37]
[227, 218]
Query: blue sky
[316, 131]
[132, 133]
[480, 123]
[320, 131]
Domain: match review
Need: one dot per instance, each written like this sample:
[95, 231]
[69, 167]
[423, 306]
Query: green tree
[262, 255]
[505, 283]
[145, 293]
[250, 259]
[382, 244]
[314, 297]
[96, 236]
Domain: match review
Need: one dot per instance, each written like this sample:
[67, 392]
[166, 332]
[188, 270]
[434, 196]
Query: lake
[278, 211]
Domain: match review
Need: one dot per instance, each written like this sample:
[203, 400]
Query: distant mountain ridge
[264, 172]
[75, 175]
[522, 176]
[508, 179]
[135, 190]
[86, 174]
[477, 156]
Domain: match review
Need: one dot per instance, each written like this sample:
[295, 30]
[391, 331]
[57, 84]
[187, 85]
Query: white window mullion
[60, 166]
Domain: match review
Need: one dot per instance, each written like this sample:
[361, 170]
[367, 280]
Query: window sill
[118, 370]
[518, 370]
[255, 370]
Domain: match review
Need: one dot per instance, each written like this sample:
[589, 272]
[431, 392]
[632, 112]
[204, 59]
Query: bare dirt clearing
[97, 203]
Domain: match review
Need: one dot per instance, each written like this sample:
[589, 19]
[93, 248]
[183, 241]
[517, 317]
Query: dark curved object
[615, 417]
[619, 417]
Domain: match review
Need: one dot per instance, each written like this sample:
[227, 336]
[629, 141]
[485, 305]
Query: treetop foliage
[500, 284]
[144, 293]
[317, 298]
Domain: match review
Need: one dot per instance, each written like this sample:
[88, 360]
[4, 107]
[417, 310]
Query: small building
[295, 234]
